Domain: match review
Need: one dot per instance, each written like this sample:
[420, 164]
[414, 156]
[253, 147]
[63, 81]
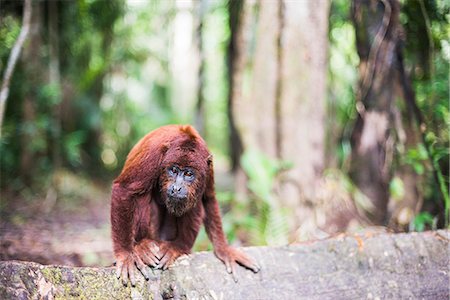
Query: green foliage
[342, 80]
[73, 147]
[396, 188]
[9, 31]
[271, 220]
[421, 221]
[416, 157]
[60, 121]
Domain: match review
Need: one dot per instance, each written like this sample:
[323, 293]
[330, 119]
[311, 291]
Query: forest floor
[70, 229]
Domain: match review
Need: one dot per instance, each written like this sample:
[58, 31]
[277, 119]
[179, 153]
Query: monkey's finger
[119, 269]
[247, 262]
[132, 274]
[141, 267]
[153, 254]
[124, 274]
[146, 272]
[233, 271]
[162, 253]
[163, 261]
[227, 262]
[148, 259]
[153, 260]
[169, 263]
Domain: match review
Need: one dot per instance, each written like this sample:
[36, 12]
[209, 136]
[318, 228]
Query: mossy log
[382, 266]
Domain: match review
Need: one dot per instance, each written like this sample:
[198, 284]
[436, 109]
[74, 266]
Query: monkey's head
[183, 174]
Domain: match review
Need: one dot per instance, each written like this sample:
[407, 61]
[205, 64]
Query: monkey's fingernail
[146, 274]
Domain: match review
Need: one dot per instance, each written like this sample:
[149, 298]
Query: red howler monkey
[163, 195]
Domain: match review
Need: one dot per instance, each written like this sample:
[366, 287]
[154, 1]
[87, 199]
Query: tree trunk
[371, 266]
[377, 34]
[255, 77]
[302, 107]
[278, 90]
[200, 10]
[235, 19]
[185, 62]
[55, 81]
[32, 64]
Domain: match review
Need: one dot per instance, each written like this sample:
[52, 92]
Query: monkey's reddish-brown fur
[147, 229]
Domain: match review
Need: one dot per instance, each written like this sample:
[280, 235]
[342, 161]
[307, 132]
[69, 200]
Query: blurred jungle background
[322, 116]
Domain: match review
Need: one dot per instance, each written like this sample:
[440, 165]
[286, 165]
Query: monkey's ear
[164, 148]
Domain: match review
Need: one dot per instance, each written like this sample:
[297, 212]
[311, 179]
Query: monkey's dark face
[182, 179]
[179, 181]
[179, 189]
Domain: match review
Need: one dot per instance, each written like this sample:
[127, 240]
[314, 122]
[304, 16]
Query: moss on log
[394, 266]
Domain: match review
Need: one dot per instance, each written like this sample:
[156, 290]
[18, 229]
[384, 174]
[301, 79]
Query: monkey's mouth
[177, 205]
[177, 198]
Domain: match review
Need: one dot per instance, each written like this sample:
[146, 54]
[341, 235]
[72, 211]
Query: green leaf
[421, 220]
[396, 188]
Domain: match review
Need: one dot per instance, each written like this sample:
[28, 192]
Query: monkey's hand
[168, 253]
[231, 257]
[127, 265]
[148, 251]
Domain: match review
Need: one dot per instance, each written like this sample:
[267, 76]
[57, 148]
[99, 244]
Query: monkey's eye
[173, 170]
[189, 174]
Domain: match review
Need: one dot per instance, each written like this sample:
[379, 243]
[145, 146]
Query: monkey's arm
[213, 225]
[122, 213]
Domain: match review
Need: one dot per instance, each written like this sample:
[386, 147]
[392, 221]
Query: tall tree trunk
[235, 19]
[377, 34]
[55, 80]
[304, 45]
[200, 10]
[32, 64]
[253, 80]
[185, 62]
[278, 90]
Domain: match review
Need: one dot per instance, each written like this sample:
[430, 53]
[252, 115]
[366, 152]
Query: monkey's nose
[174, 190]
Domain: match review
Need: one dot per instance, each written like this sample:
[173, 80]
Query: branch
[13, 57]
[395, 266]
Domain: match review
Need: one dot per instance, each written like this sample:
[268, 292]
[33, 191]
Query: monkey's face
[183, 175]
[180, 188]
